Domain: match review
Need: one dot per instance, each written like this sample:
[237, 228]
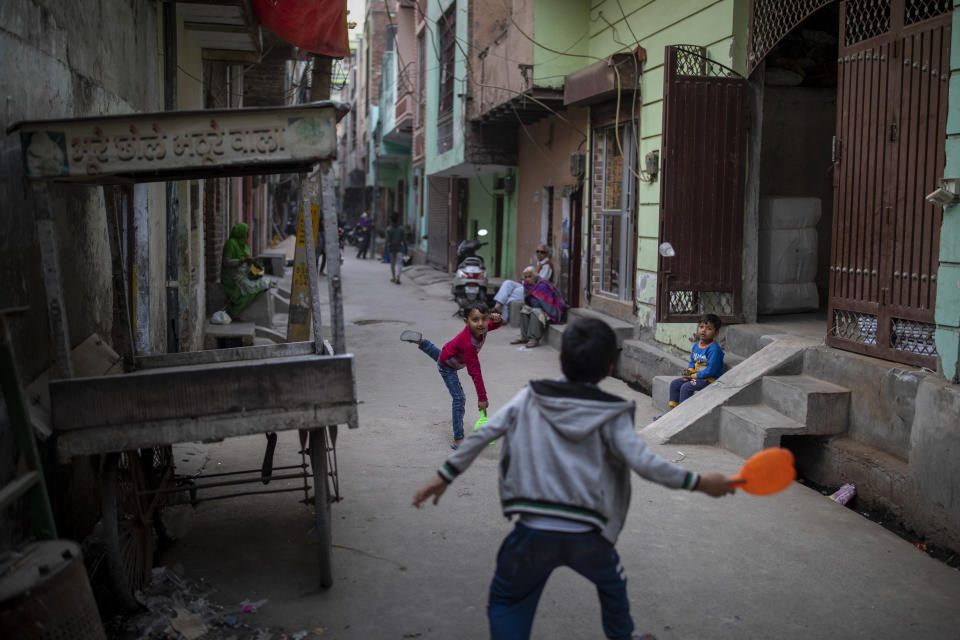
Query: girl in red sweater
[462, 351]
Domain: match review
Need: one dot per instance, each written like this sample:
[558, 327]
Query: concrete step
[281, 303]
[235, 334]
[745, 339]
[822, 406]
[730, 360]
[661, 392]
[882, 479]
[554, 336]
[273, 335]
[746, 429]
[623, 330]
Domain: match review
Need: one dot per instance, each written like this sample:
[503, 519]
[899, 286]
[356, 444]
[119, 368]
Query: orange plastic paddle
[767, 472]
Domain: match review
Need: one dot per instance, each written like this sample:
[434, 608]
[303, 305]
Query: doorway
[498, 249]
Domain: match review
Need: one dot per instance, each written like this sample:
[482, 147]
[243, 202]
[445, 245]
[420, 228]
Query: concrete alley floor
[795, 565]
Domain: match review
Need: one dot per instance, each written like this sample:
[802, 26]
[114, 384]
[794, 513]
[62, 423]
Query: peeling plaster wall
[69, 59]
[544, 161]
[63, 60]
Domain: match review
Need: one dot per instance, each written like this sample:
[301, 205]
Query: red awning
[318, 26]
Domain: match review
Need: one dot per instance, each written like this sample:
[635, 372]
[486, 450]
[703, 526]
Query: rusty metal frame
[702, 187]
[772, 20]
[893, 69]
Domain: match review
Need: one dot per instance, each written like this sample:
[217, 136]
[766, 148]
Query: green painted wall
[563, 25]
[481, 208]
[721, 26]
[480, 213]
[947, 312]
[435, 162]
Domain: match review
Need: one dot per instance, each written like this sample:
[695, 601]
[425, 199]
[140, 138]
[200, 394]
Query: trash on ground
[188, 624]
[844, 494]
[251, 607]
[177, 607]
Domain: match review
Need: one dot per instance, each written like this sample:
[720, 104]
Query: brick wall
[214, 227]
[377, 45]
[264, 84]
[596, 220]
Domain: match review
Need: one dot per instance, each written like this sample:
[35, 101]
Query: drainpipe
[170, 104]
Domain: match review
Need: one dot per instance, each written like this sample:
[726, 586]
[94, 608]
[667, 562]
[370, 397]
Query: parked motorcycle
[470, 280]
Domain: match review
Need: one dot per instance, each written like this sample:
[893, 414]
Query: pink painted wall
[544, 161]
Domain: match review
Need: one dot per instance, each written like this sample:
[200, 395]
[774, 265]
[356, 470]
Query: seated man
[510, 291]
[542, 304]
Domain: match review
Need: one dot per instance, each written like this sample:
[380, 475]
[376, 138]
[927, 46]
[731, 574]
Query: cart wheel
[321, 504]
[127, 526]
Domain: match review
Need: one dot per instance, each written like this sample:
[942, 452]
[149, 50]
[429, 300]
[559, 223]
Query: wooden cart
[132, 420]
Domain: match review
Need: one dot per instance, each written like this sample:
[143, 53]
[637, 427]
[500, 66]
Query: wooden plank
[123, 336]
[17, 487]
[309, 210]
[106, 439]
[168, 145]
[62, 366]
[332, 248]
[200, 391]
[237, 354]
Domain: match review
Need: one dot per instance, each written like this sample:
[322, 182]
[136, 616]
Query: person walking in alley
[462, 351]
[570, 447]
[395, 247]
[706, 362]
[364, 230]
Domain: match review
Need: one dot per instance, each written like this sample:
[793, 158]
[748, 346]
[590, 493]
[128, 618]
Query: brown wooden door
[893, 71]
[438, 223]
[703, 159]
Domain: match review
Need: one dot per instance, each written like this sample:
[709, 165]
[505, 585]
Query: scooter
[470, 280]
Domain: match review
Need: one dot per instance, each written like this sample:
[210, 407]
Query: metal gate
[438, 220]
[705, 115]
[893, 73]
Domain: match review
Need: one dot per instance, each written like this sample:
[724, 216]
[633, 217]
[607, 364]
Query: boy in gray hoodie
[567, 452]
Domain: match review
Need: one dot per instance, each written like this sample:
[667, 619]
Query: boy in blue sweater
[706, 362]
[567, 452]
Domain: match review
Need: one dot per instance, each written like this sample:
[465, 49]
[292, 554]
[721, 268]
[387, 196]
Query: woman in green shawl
[242, 288]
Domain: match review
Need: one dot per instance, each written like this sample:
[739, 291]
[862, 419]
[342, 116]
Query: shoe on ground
[518, 341]
[411, 336]
[532, 344]
[397, 281]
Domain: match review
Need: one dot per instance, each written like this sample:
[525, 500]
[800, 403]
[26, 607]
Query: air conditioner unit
[578, 164]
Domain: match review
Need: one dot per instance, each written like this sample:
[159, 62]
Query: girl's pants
[452, 380]
[680, 389]
[526, 559]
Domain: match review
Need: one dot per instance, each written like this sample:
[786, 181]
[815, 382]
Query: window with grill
[617, 203]
[447, 26]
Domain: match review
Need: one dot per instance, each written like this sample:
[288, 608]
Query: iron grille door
[438, 222]
[705, 116]
[891, 127]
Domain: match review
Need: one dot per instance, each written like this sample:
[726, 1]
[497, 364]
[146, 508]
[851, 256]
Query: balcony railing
[418, 138]
[406, 104]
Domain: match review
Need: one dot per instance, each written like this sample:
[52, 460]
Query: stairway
[789, 405]
[759, 399]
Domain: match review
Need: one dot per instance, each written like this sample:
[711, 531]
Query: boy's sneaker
[411, 336]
